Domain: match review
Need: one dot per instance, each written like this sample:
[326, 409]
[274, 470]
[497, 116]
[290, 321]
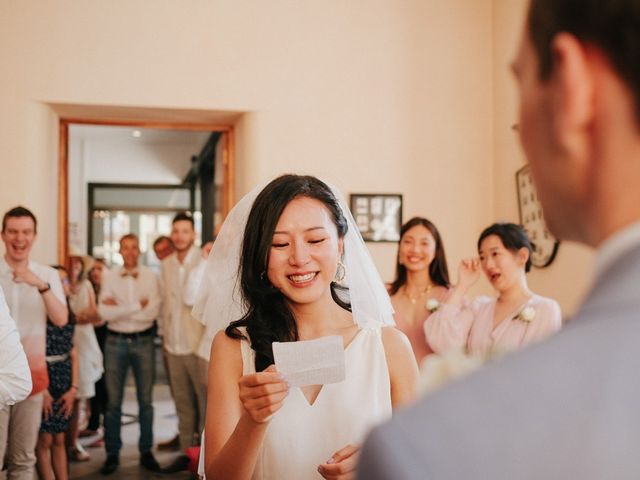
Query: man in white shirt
[204, 348]
[129, 302]
[566, 408]
[163, 247]
[15, 376]
[181, 335]
[33, 293]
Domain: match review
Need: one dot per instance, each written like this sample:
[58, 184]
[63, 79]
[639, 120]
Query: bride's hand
[342, 464]
[262, 394]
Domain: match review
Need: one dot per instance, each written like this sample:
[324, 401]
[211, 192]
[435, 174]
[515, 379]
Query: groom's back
[565, 409]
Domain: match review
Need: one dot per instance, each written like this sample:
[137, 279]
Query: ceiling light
[136, 133]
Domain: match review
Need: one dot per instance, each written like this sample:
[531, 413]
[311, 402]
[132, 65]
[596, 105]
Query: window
[145, 210]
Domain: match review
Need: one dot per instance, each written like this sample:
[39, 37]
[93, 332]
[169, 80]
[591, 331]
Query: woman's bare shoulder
[225, 347]
[394, 339]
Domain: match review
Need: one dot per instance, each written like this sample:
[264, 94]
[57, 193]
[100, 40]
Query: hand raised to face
[468, 272]
[28, 277]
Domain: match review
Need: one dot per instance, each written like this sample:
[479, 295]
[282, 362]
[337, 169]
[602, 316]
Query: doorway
[205, 174]
[106, 191]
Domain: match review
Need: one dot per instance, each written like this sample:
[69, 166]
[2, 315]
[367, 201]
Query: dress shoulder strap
[367, 344]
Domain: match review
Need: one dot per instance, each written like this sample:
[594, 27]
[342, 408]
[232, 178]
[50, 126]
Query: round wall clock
[532, 219]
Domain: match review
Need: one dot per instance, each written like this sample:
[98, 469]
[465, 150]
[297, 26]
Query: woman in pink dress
[421, 283]
[516, 317]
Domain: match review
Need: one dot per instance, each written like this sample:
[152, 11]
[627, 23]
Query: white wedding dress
[302, 436]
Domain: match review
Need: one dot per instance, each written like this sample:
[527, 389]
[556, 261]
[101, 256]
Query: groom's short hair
[610, 25]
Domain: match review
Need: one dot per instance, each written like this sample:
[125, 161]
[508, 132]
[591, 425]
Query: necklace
[413, 300]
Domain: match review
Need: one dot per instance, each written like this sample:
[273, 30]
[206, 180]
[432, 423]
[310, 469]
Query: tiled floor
[164, 427]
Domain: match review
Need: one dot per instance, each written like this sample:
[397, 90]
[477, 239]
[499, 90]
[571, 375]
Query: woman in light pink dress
[421, 283]
[516, 317]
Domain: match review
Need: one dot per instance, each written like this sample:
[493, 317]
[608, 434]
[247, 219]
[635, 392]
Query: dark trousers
[120, 354]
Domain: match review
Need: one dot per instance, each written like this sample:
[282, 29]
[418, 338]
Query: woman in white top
[294, 243]
[512, 319]
[82, 301]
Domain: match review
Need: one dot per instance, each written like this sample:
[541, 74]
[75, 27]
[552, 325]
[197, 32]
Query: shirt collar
[5, 268]
[193, 250]
[616, 246]
[121, 269]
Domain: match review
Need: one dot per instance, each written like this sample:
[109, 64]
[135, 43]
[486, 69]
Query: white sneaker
[78, 454]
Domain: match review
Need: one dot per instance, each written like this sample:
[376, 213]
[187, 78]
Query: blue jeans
[119, 354]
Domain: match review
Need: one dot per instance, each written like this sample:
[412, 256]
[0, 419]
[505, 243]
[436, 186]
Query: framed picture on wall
[545, 245]
[378, 216]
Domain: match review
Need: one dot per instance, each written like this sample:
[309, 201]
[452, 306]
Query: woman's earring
[341, 272]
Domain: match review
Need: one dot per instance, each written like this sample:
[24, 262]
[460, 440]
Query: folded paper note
[311, 362]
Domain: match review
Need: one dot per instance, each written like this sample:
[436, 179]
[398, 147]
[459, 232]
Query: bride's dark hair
[269, 318]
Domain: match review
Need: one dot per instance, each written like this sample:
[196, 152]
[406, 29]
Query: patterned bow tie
[133, 274]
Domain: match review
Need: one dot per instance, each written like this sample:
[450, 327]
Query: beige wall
[373, 95]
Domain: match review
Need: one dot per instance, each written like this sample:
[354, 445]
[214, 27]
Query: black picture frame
[377, 215]
[545, 245]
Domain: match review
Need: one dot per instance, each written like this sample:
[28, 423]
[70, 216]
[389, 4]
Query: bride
[288, 266]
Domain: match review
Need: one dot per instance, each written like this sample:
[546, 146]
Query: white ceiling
[100, 133]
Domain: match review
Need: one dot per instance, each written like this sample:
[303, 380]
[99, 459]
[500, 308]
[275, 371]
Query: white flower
[527, 314]
[438, 370]
[432, 304]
